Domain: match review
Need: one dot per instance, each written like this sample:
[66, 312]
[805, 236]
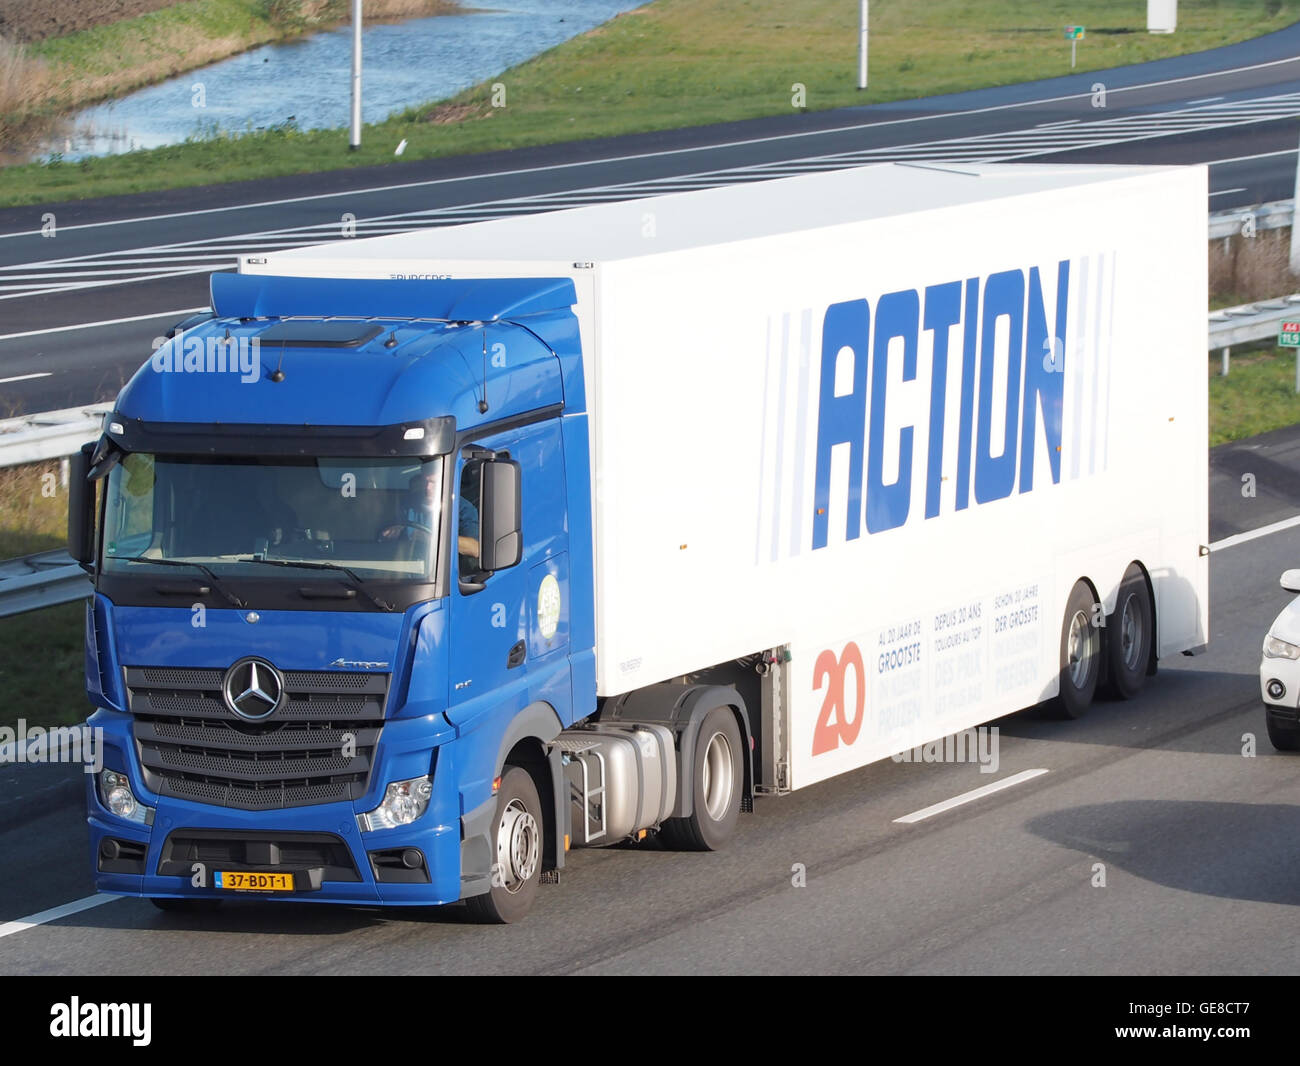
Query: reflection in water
[306, 84]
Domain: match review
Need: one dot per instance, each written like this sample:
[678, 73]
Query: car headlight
[1280, 649]
[115, 793]
[404, 802]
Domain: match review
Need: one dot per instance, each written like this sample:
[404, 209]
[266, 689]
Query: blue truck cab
[340, 536]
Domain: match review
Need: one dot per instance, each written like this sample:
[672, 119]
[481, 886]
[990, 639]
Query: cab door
[507, 625]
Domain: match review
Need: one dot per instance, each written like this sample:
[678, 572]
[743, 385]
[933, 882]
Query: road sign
[1288, 335]
[1074, 33]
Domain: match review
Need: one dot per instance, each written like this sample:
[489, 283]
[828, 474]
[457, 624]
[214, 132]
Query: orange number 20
[833, 724]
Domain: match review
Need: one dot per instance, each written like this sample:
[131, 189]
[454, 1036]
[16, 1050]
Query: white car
[1279, 672]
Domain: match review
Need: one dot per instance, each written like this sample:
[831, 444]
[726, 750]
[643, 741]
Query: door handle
[517, 655]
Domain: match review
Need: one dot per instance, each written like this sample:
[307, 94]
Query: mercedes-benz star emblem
[253, 688]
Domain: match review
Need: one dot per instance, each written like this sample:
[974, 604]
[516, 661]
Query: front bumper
[329, 857]
[1279, 686]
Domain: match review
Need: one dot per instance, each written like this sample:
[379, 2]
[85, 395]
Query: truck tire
[1081, 652]
[517, 869]
[1128, 637]
[719, 780]
[1282, 737]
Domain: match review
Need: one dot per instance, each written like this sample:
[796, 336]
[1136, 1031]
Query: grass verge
[33, 509]
[679, 63]
[1257, 395]
[42, 666]
[1246, 269]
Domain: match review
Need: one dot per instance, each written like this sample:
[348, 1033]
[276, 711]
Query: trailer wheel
[1128, 637]
[1081, 651]
[719, 780]
[517, 869]
[1282, 737]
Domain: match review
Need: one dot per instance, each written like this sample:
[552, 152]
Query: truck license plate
[239, 881]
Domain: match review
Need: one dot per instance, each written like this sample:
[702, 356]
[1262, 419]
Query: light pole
[1295, 243]
[354, 142]
[862, 45]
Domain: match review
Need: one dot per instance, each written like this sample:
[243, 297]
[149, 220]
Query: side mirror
[81, 508]
[501, 540]
[1291, 580]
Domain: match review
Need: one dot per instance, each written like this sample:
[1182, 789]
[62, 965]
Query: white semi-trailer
[772, 481]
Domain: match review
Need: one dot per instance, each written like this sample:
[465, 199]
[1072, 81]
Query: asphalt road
[1195, 841]
[1237, 108]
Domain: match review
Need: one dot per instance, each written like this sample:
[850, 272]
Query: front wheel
[1080, 654]
[718, 781]
[517, 862]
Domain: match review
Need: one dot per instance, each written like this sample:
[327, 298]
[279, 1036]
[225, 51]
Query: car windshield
[347, 519]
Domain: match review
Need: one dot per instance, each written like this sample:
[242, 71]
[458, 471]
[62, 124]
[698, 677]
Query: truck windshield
[368, 519]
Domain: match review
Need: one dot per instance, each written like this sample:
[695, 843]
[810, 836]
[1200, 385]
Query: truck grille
[317, 747]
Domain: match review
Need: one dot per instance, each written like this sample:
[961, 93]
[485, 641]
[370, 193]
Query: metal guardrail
[1251, 322]
[40, 580]
[49, 435]
[1276, 214]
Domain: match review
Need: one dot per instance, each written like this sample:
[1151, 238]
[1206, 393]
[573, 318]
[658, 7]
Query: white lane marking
[1049, 125]
[1244, 158]
[1255, 534]
[970, 797]
[1207, 100]
[21, 925]
[105, 322]
[482, 175]
[1224, 192]
[26, 377]
[72, 285]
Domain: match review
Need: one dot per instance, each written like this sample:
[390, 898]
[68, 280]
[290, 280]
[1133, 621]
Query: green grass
[33, 510]
[108, 49]
[1257, 395]
[680, 63]
[42, 666]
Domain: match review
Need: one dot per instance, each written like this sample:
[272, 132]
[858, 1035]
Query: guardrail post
[1226, 353]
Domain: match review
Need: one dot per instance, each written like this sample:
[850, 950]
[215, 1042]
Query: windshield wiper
[216, 583]
[303, 564]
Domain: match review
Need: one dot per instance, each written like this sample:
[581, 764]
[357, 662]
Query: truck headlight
[1280, 649]
[115, 793]
[404, 802]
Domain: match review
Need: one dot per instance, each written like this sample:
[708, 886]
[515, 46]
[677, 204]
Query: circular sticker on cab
[548, 606]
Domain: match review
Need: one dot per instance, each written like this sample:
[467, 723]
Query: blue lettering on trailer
[852, 411]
